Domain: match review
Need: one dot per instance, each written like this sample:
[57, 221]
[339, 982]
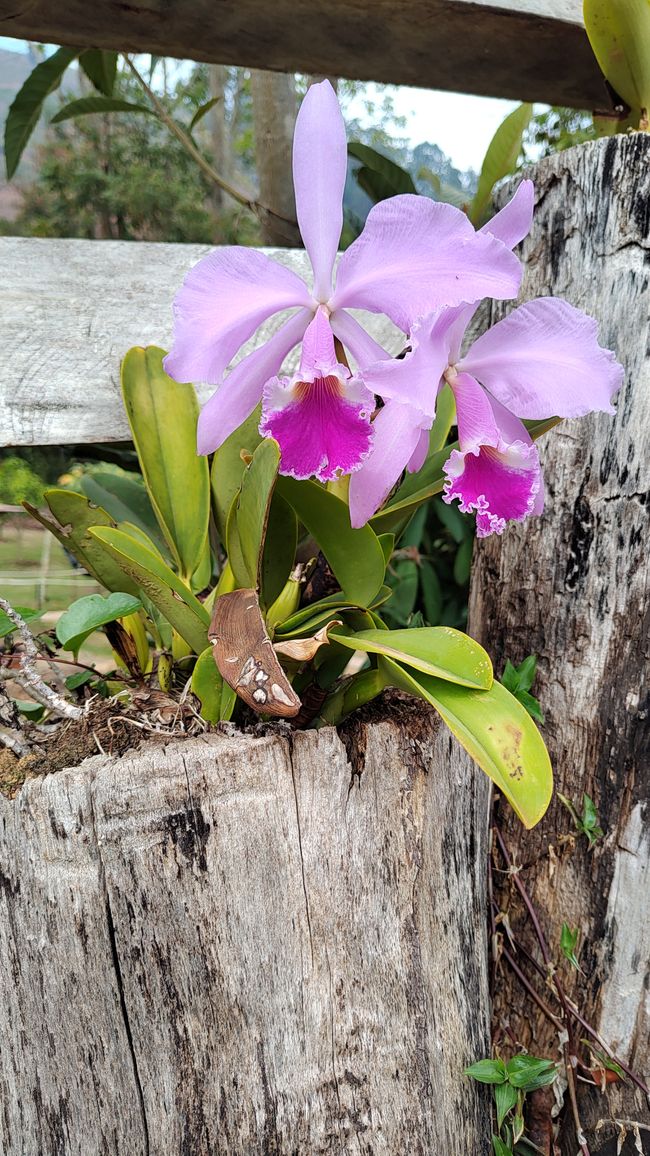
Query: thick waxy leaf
[73, 517]
[125, 499]
[279, 551]
[250, 516]
[311, 618]
[530, 1072]
[163, 414]
[228, 468]
[26, 108]
[355, 556]
[500, 158]
[172, 598]
[488, 1072]
[619, 33]
[216, 697]
[496, 731]
[89, 613]
[103, 104]
[437, 650]
[505, 1098]
[27, 615]
[100, 67]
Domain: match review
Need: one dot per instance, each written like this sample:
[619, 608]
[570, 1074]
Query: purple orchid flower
[414, 256]
[542, 360]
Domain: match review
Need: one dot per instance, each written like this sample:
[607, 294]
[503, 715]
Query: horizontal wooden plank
[520, 49]
[70, 310]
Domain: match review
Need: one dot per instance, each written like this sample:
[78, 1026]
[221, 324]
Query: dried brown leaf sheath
[245, 656]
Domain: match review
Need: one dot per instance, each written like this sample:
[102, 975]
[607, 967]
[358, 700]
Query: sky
[462, 126]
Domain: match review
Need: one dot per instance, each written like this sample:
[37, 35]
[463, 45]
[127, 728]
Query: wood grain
[71, 309]
[573, 588]
[241, 945]
[520, 49]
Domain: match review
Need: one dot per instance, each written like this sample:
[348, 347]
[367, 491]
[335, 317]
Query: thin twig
[14, 744]
[28, 676]
[188, 144]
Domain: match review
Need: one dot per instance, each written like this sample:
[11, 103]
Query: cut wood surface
[573, 587]
[71, 309]
[521, 49]
[247, 945]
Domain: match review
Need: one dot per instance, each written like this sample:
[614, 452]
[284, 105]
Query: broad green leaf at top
[26, 108]
[163, 415]
[495, 730]
[500, 159]
[619, 34]
[437, 650]
[355, 556]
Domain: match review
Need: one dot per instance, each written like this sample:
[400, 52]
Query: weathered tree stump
[573, 588]
[247, 945]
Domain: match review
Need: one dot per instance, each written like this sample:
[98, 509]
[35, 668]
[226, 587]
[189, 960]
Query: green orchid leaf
[318, 613]
[500, 159]
[31, 710]
[495, 730]
[27, 615]
[279, 551]
[619, 34]
[163, 415]
[387, 543]
[500, 1149]
[100, 66]
[165, 589]
[89, 613]
[92, 104]
[355, 556]
[27, 106]
[216, 697]
[252, 512]
[72, 518]
[488, 1072]
[438, 650]
[125, 499]
[228, 468]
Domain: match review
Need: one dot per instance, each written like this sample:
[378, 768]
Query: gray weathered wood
[573, 587]
[71, 309]
[240, 945]
[521, 49]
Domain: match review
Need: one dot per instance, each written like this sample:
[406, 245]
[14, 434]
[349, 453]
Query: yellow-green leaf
[438, 650]
[619, 33]
[165, 589]
[163, 415]
[216, 698]
[500, 158]
[497, 732]
[228, 468]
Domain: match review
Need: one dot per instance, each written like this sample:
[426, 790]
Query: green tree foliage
[19, 482]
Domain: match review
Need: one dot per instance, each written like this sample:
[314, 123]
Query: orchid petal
[321, 417]
[320, 160]
[238, 395]
[496, 471]
[415, 256]
[414, 379]
[419, 455]
[397, 434]
[222, 301]
[364, 349]
[544, 360]
[514, 221]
